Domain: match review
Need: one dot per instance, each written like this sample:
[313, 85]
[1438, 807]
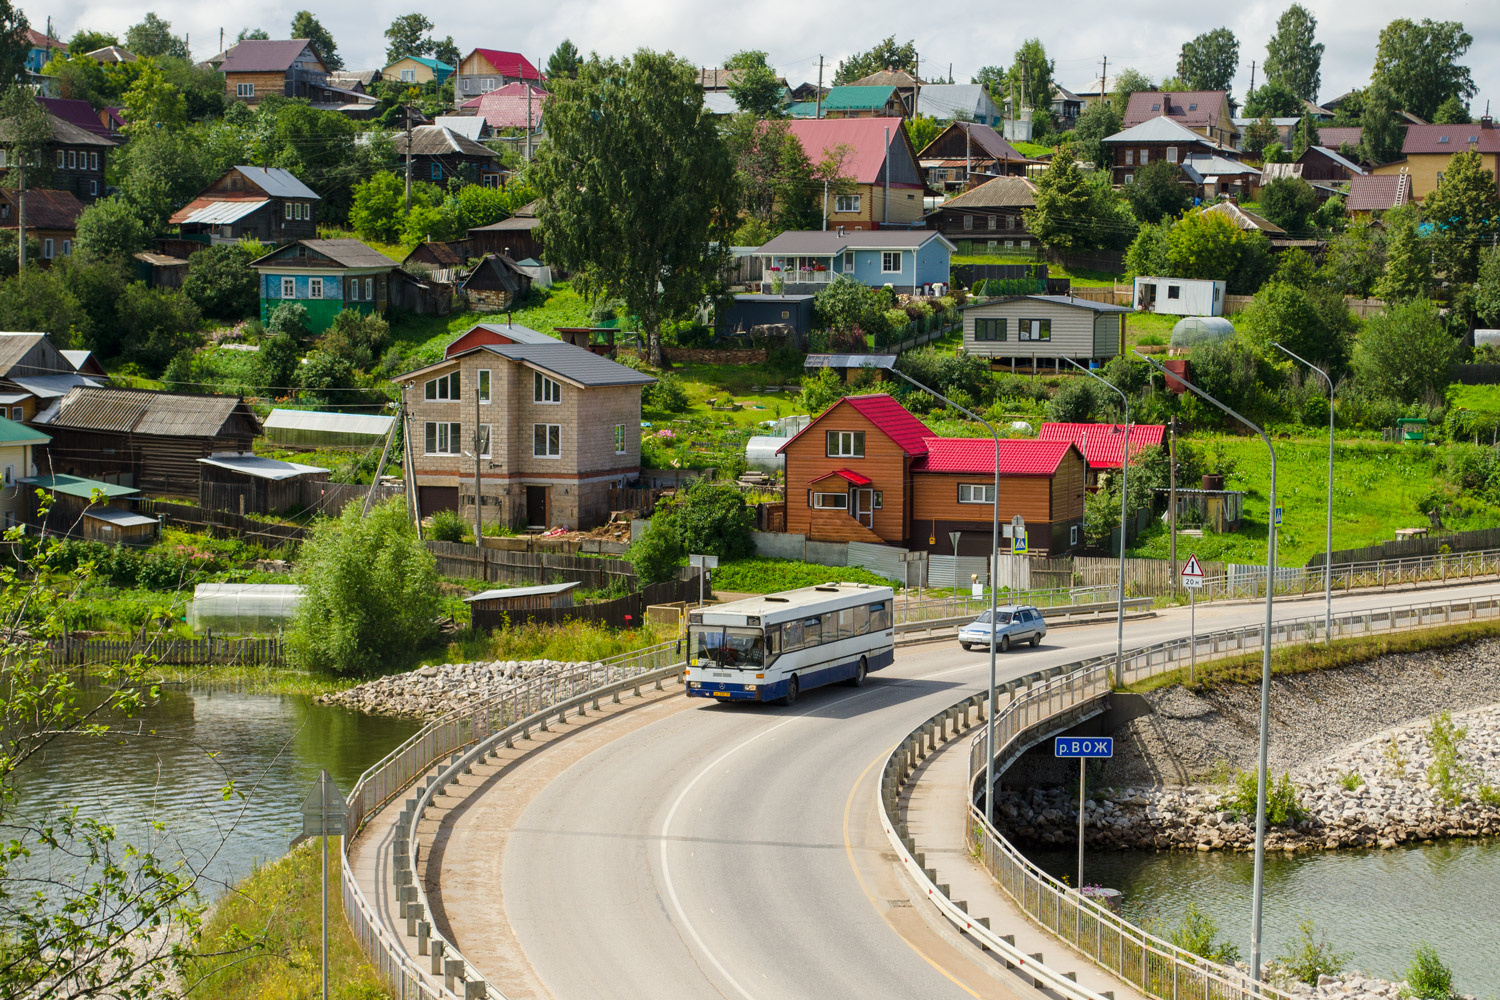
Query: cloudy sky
[1078, 33]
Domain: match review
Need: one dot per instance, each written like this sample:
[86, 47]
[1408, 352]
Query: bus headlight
[694, 684]
[749, 687]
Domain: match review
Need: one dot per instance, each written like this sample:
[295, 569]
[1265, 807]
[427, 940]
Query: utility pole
[820, 115]
[1252, 78]
[1172, 495]
[528, 120]
[478, 451]
[916, 84]
[408, 156]
[887, 175]
[1104, 82]
[221, 39]
[21, 208]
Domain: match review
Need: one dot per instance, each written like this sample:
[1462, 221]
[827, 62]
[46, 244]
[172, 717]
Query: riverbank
[435, 690]
[263, 939]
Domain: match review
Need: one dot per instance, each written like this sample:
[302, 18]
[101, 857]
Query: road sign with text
[1192, 573]
[1084, 746]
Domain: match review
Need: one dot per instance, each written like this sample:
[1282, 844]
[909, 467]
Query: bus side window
[880, 617]
[846, 623]
[773, 640]
[861, 619]
[812, 630]
[793, 632]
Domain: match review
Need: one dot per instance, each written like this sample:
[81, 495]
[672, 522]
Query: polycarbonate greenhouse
[248, 608]
[1195, 330]
[318, 429]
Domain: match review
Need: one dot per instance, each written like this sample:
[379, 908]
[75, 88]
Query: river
[1374, 905]
[155, 768]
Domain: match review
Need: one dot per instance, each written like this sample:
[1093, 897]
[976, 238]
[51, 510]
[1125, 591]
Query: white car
[1018, 623]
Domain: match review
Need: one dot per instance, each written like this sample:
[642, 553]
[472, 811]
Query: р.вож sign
[1084, 746]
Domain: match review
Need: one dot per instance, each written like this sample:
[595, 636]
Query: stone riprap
[432, 691]
[1349, 986]
[1390, 802]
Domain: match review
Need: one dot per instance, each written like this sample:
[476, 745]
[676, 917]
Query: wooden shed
[72, 496]
[495, 284]
[114, 525]
[489, 610]
[253, 484]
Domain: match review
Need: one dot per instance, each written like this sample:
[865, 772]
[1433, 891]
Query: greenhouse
[250, 608]
[317, 429]
[1195, 330]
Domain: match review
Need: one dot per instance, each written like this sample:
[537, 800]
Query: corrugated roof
[1243, 219]
[1451, 139]
[468, 126]
[829, 241]
[944, 101]
[846, 474]
[217, 212]
[338, 423]
[1101, 444]
[857, 98]
[720, 102]
[977, 456]
[509, 63]
[1217, 166]
[51, 386]
[13, 347]
[572, 363]
[140, 411]
[888, 78]
[1334, 136]
[889, 417]
[78, 486]
[1337, 157]
[520, 334]
[1002, 192]
[886, 361]
[276, 182]
[506, 107]
[344, 252]
[77, 112]
[1068, 300]
[14, 433]
[542, 588]
[261, 467]
[262, 55]
[865, 136]
[1378, 192]
[119, 518]
[435, 140]
[1159, 129]
[112, 54]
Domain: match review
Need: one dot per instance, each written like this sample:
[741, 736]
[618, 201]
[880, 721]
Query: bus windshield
[728, 647]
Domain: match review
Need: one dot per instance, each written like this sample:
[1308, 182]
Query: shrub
[446, 526]
[156, 323]
[1199, 934]
[357, 337]
[666, 393]
[289, 318]
[1078, 400]
[221, 282]
[276, 363]
[1282, 805]
[110, 230]
[1427, 977]
[1309, 956]
[1405, 352]
[324, 376]
[658, 552]
[713, 518]
[1447, 772]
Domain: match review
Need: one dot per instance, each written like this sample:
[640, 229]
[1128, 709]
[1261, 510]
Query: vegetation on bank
[263, 939]
[573, 641]
[767, 576]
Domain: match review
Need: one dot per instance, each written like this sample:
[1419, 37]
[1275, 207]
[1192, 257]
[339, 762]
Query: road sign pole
[1082, 765]
[1192, 632]
[323, 795]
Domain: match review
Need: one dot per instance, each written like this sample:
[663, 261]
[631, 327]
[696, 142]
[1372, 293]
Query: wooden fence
[222, 523]
[500, 566]
[624, 612]
[1458, 541]
[1142, 576]
[245, 651]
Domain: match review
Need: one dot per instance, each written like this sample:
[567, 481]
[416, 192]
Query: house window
[437, 171]
[490, 180]
[72, 159]
[991, 246]
[1171, 154]
[442, 437]
[408, 76]
[1025, 244]
[353, 295]
[444, 387]
[67, 248]
[976, 493]
[968, 222]
[989, 329]
[846, 444]
[484, 440]
[879, 501]
[1129, 178]
[846, 202]
[288, 209]
[1015, 222]
[544, 389]
[369, 289]
[890, 262]
[1073, 535]
[62, 159]
[47, 248]
[849, 262]
[93, 187]
[289, 288]
[93, 161]
[244, 90]
[18, 413]
[1130, 157]
[830, 501]
[1145, 155]
[619, 439]
[1174, 291]
[484, 385]
[994, 220]
[1034, 329]
[546, 440]
[315, 288]
[487, 84]
[10, 474]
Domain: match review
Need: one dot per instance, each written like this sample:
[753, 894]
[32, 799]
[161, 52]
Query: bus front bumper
[724, 691]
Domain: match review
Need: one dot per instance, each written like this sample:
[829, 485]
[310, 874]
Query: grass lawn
[767, 576]
[1150, 328]
[1376, 489]
[547, 310]
[1033, 149]
[1081, 277]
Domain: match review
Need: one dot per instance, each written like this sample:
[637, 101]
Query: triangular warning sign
[1192, 568]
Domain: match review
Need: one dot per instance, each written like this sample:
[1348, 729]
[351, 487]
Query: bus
[774, 647]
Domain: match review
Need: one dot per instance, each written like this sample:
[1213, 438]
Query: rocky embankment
[1353, 986]
[431, 691]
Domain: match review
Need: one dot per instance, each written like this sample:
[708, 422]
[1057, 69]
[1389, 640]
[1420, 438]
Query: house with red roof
[874, 151]
[1427, 149]
[1210, 113]
[1102, 445]
[486, 70]
[515, 105]
[867, 470]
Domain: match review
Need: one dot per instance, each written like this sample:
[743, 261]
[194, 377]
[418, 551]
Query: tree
[357, 338]
[221, 282]
[658, 552]
[845, 303]
[379, 206]
[1289, 202]
[1382, 129]
[324, 376]
[992, 78]
[306, 25]
[1209, 245]
[157, 323]
[886, 55]
[1465, 213]
[1071, 213]
[754, 86]
[447, 51]
[1296, 268]
[921, 130]
[1305, 136]
[713, 519]
[1283, 313]
[1030, 75]
[1147, 254]
[152, 103]
[1293, 58]
[1130, 81]
[1098, 122]
[1405, 353]
[773, 174]
[1273, 99]
[250, 34]
[85, 40]
[1487, 287]
[637, 186]
[1419, 62]
[369, 592]
[15, 42]
[1157, 192]
[1259, 134]
[407, 37]
[1408, 264]
[152, 38]
[109, 230]
[1209, 61]
[1080, 400]
[276, 364]
[563, 63]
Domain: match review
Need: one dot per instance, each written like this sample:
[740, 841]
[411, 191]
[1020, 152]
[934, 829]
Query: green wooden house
[326, 277]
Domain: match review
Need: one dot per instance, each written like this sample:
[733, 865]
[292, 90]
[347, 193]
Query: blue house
[802, 262]
[326, 277]
[42, 48]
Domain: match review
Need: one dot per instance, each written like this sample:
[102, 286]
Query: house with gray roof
[1159, 138]
[544, 428]
[1038, 331]
[266, 204]
[988, 217]
[947, 102]
[325, 277]
[803, 261]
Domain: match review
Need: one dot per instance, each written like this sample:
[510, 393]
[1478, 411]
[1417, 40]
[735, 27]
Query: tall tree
[1098, 122]
[1072, 212]
[1293, 58]
[1382, 131]
[15, 43]
[1032, 70]
[1405, 353]
[153, 103]
[1259, 134]
[1452, 112]
[1408, 264]
[407, 36]
[152, 37]
[305, 25]
[1465, 214]
[774, 176]
[1419, 62]
[992, 78]
[637, 186]
[1289, 202]
[754, 87]
[24, 130]
[447, 51]
[564, 61]
[886, 55]
[1129, 81]
[248, 33]
[748, 59]
[1306, 135]
[1157, 192]
[85, 40]
[1274, 99]
[1209, 61]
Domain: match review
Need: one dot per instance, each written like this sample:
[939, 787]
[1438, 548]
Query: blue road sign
[1278, 517]
[1084, 746]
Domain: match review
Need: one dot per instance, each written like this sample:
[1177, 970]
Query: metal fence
[1249, 581]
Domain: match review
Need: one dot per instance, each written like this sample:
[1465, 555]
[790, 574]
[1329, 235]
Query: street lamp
[1265, 673]
[1124, 487]
[1328, 538]
[989, 716]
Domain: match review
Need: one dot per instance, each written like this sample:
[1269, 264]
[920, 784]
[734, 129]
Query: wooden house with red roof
[878, 151]
[1102, 444]
[485, 70]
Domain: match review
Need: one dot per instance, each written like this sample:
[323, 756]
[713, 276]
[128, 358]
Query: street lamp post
[989, 715]
[1124, 488]
[1328, 537]
[1265, 673]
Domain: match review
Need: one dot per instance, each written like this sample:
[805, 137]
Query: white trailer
[1179, 296]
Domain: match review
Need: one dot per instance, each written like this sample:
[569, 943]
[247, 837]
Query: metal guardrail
[1056, 698]
[1056, 616]
[1382, 573]
[964, 604]
[479, 725]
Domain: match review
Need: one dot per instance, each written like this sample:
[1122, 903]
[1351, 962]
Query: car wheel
[1036, 640]
[790, 698]
[858, 680]
[967, 646]
[1004, 643]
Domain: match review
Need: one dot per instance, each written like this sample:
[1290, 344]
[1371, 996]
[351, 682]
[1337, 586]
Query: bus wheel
[858, 680]
[790, 698]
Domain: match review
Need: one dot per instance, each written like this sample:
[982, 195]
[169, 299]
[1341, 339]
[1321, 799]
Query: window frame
[315, 288]
[436, 171]
[1129, 157]
[856, 439]
[434, 433]
[72, 159]
[1000, 332]
[621, 442]
[288, 283]
[850, 204]
[369, 289]
[62, 159]
[849, 261]
[408, 76]
[885, 256]
[552, 437]
[1072, 535]
[486, 439]
[93, 161]
[67, 248]
[483, 386]
[244, 90]
[968, 222]
[1040, 334]
[287, 209]
[986, 493]
[18, 413]
[443, 389]
[1171, 154]
[545, 390]
[93, 187]
[49, 248]
[815, 500]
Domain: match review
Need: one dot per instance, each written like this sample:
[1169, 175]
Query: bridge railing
[1057, 698]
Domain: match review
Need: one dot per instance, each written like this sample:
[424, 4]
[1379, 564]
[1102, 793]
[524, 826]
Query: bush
[1427, 977]
[325, 376]
[1199, 934]
[357, 337]
[1282, 804]
[156, 324]
[221, 282]
[1078, 400]
[370, 594]
[822, 389]
[1405, 352]
[658, 552]
[1310, 955]
[666, 393]
[110, 230]
[276, 364]
[446, 526]
[713, 519]
[289, 318]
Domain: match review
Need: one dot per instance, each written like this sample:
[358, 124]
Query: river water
[156, 768]
[1374, 905]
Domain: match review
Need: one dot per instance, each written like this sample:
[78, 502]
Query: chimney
[1486, 122]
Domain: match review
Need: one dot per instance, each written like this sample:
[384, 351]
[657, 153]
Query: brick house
[267, 204]
[1427, 150]
[880, 149]
[256, 68]
[557, 428]
[326, 277]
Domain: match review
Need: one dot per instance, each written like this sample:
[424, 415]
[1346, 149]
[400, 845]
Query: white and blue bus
[772, 648]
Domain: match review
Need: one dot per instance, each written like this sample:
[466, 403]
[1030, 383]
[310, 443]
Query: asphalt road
[732, 850]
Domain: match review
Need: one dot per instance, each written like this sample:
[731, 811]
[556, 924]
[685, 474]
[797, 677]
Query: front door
[536, 506]
[864, 507]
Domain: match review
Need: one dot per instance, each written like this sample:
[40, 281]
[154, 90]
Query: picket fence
[526, 568]
[195, 652]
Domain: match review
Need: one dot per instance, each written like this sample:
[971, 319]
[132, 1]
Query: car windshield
[729, 647]
[984, 619]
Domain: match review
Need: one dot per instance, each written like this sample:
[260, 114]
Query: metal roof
[319, 420]
[887, 361]
[79, 486]
[1201, 107]
[545, 588]
[52, 386]
[889, 417]
[6, 398]
[140, 411]
[276, 182]
[857, 97]
[214, 212]
[121, 518]
[76, 358]
[516, 332]
[1101, 443]
[943, 101]
[13, 433]
[1159, 129]
[344, 252]
[977, 456]
[261, 467]
[1377, 192]
[435, 140]
[1067, 300]
[263, 55]
[468, 126]
[13, 347]
[572, 363]
[720, 102]
[830, 241]
[1002, 192]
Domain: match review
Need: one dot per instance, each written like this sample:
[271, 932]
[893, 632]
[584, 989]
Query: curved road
[708, 850]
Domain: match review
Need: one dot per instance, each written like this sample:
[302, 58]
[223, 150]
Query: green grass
[767, 576]
[262, 941]
[572, 641]
[1033, 149]
[1376, 489]
[1081, 277]
[545, 311]
[1301, 659]
[395, 251]
[1148, 326]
